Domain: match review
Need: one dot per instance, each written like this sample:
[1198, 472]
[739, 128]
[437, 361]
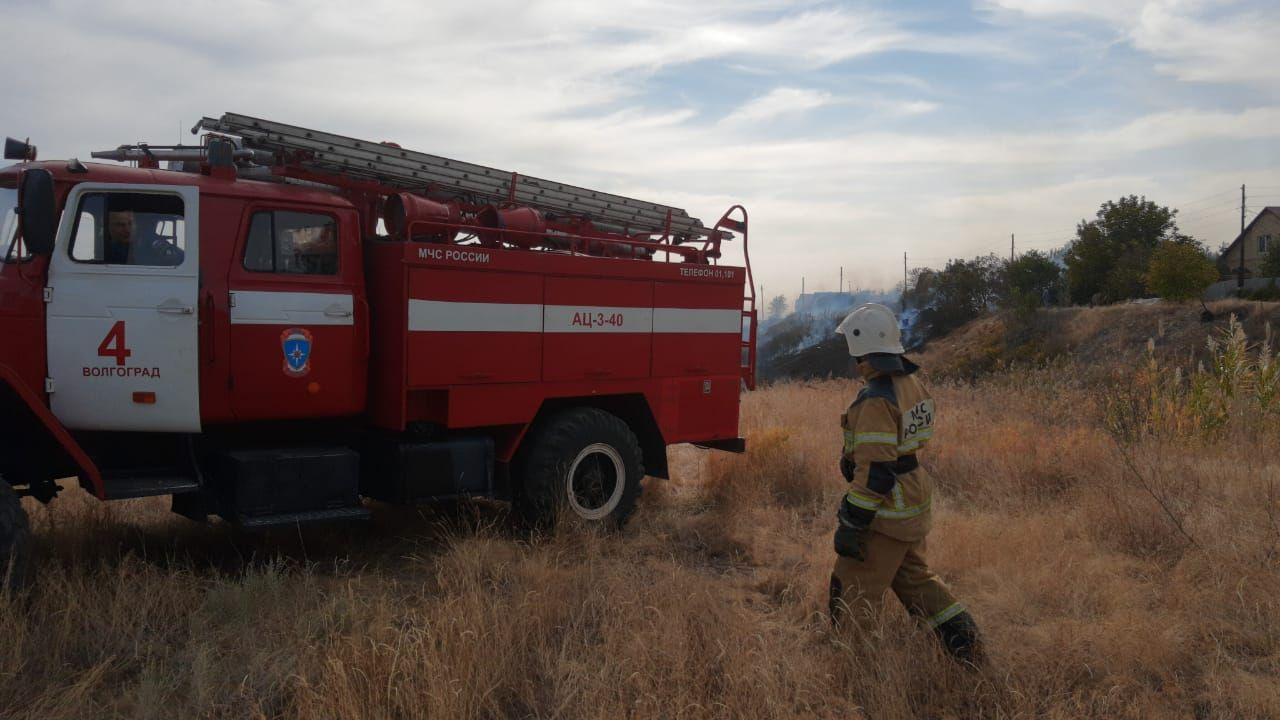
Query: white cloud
[1194, 44]
[904, 108]
[1117, 11]
[778, 101]
[787, 101]
[1192, 40]
[918, 84]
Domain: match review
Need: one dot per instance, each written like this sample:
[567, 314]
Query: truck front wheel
[583, 463]
[15, 539]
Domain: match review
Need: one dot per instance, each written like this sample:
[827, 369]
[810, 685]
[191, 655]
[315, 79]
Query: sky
[852, 132]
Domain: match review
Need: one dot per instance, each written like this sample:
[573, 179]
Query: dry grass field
[1118, 542]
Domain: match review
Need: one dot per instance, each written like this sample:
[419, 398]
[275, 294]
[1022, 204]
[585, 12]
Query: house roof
[1270, 209]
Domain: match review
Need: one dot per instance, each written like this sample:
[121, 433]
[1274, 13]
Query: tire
[15, 540]
[583, 464]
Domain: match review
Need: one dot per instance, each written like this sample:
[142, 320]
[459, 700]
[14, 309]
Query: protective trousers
[857, 587]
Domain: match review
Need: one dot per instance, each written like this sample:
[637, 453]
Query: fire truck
[283, 323]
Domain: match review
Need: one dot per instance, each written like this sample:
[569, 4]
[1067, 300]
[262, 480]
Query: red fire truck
[283, 322]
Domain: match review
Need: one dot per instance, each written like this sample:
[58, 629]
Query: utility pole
[841, 278]
[1240, 274]
[905, 275]
[1010, 248]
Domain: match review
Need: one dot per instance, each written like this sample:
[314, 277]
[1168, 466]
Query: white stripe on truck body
[442, 316]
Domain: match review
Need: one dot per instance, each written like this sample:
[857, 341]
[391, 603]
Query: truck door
[298, 327]
[122, 309]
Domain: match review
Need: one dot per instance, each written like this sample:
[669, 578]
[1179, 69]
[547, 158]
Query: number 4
[115, 337]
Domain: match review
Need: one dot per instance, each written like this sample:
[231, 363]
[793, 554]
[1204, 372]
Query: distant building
[1259, 236]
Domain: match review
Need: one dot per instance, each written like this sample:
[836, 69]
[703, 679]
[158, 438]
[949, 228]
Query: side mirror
[37, 211]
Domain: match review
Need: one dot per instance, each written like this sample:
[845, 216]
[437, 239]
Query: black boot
[959, 637]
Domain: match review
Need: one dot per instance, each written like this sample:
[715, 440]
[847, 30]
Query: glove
[853, 525]
[847, 467]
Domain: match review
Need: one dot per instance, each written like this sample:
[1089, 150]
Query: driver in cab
[123, 247]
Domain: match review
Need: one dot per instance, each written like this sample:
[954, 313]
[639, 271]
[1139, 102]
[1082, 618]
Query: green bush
[1180, 271]
[1031, 280]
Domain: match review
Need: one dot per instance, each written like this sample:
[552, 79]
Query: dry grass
[1099, 341]
[711, 603]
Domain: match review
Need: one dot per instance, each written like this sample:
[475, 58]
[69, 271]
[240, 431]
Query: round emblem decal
[296, 345]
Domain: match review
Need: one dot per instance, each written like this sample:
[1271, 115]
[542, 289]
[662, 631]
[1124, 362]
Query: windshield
[9, 226]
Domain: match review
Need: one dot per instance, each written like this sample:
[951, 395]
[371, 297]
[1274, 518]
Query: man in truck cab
[885, 515]
[123, 246]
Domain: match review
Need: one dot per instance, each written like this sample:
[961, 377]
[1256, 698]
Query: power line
[1208, 211]
[1207, 197]
[1048, 232]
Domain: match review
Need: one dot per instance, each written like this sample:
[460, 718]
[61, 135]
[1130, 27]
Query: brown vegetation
[1102, 342]
[1120, 566]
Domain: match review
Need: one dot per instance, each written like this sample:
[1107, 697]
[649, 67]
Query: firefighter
[122, 246]
[884, 517]
[119, 242]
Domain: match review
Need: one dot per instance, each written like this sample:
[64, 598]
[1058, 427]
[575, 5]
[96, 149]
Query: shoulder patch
[880, 386]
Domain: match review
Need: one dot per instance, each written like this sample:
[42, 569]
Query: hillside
[1100, 341]
[1097, 341]
[802, 346]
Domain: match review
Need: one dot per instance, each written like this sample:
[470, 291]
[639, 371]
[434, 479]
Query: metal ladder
[391, 165]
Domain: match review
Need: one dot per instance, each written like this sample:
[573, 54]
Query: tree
[1225, 266]
[1271, 262]
[778, 307]
[1030, 279]
[1109, 257]
[1127, 277]
[919, 292]
[1180, 271]
[948, 298]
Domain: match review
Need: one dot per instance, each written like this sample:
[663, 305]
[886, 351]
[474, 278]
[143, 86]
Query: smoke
[913, 331]
[822, 312]
[791, 340]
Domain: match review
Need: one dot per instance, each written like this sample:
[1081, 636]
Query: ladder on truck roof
[391, 165]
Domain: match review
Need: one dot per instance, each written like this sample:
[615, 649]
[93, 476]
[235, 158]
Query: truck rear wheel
[583, 463]
[15, 539]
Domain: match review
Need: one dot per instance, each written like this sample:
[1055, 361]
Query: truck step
[298, 518]
[139, 486]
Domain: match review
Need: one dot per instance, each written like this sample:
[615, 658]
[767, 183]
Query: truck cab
[165, 294]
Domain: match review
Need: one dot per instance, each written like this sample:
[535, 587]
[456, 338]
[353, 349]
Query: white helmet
[871, 328]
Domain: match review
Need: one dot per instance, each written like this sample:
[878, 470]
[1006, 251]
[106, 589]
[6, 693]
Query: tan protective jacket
[884, 428]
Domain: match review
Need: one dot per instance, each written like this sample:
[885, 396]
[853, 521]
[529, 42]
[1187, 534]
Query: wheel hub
[595, 481]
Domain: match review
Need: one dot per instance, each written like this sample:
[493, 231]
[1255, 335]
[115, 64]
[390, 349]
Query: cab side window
[294, 243]
[129, 229]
